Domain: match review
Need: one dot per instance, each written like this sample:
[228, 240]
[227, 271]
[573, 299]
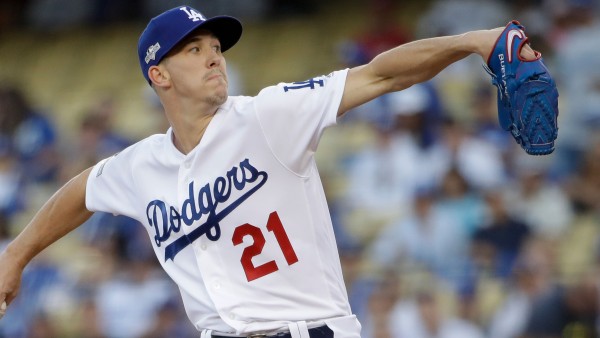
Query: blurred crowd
[445, 227]
[57, 15]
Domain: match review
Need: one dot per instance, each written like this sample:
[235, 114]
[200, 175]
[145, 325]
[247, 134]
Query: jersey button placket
[183, 191]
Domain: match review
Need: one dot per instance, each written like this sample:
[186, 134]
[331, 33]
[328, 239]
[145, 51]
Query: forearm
[412, 63]
[421, 60]
[61, 214]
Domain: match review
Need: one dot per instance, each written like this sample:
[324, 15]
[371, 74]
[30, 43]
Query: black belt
[316, 332]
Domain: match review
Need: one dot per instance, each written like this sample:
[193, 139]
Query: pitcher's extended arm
[61, 214]
[415, 62]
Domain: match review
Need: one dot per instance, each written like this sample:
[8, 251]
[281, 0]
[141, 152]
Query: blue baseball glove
[527, 94]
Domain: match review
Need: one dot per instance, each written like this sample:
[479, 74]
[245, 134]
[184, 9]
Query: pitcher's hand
[10, 281]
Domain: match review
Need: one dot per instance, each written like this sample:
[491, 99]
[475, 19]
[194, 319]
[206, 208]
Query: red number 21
[274, 225]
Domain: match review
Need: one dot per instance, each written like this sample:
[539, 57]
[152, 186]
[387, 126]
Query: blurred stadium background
[445, 227]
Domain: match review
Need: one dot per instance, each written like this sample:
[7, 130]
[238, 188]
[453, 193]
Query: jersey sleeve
[110, 185]
[293, 116]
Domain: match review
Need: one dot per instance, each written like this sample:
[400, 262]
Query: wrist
[481, 42]
[15, 256]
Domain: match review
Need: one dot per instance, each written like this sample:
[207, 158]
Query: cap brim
[227, 29]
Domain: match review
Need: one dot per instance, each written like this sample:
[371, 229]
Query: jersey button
[187, 164]
[203, 246]
[231, 316]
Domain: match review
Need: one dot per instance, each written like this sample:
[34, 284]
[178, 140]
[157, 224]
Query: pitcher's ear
[159, 76]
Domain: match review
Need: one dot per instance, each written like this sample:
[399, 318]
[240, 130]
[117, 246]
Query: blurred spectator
[536, 200]
[565, 311]
[42, 327]
[478, 161]
[535, 13]
[125, 235]
[129, 302]
[101, 139]
[429, 237]
[423, 317]
[97, 138]
[583, 188]
[536, 16]
[383, 33]
[530, 278]
[416, 112]
[383, 178]
[498, 243]
[485, 119]
[577, 69]
[359, 283]
[443, 17]
[46, 290]
[12, 198]
[461, 202]
[381, 302]
[449, 17]
[5, 236]
[32, 135]
[468, 306]
[89, 320]
[169, 323]
[379, 189]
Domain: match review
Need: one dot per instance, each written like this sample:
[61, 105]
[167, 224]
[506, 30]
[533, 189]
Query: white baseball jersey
[240, 223]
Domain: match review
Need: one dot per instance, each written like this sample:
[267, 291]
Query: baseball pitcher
[230, 195]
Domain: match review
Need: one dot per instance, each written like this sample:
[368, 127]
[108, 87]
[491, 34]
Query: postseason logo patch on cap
[151, 52]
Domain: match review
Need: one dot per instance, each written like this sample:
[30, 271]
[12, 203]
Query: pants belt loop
[299, 330]
[206, 333]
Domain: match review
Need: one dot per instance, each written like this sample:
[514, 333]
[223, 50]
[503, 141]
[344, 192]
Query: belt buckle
[257, 335]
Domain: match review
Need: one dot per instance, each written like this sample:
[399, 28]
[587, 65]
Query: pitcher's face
[197, 68]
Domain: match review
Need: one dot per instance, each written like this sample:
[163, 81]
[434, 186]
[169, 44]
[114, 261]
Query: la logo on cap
[192, 14]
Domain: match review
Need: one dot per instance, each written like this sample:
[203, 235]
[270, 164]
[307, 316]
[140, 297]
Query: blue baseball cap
[169, 28]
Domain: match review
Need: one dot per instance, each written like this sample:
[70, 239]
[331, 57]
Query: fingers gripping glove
[527, 94]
